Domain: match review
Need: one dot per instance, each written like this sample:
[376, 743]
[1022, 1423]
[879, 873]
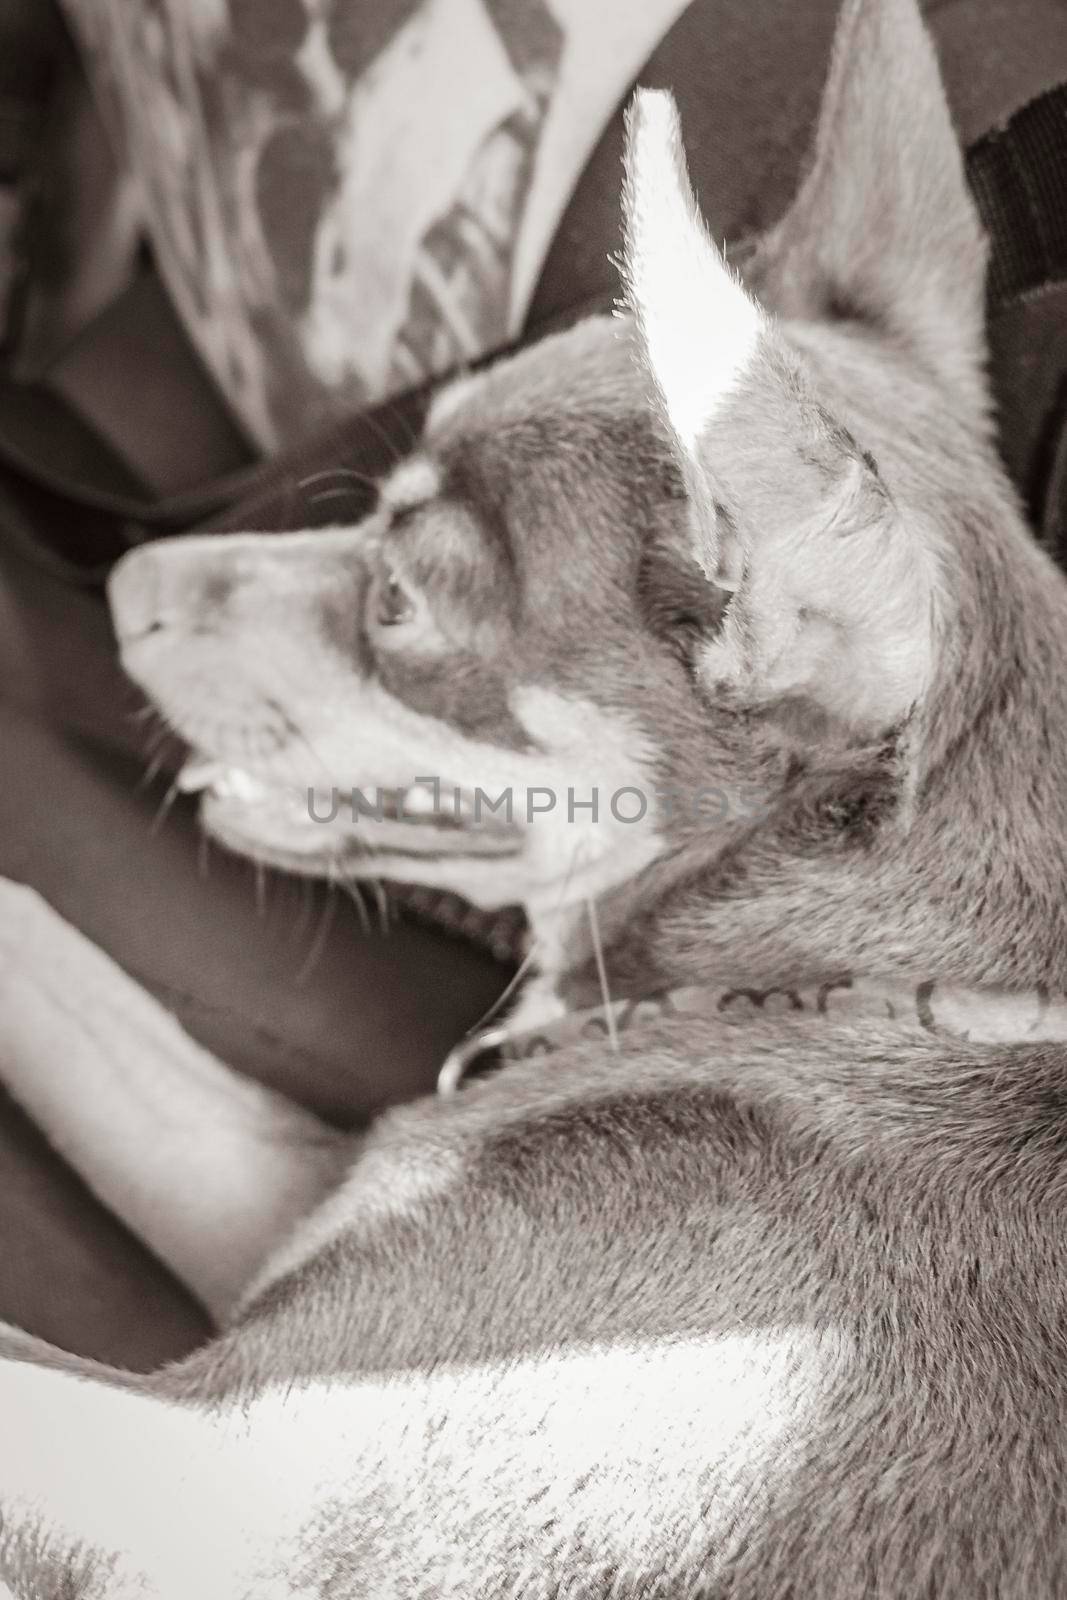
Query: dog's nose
[172, 583]
[134, 593]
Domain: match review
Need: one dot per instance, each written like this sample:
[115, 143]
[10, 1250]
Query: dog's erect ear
[834, 595]
[884, 228]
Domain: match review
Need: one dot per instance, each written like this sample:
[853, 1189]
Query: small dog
[708, 1295]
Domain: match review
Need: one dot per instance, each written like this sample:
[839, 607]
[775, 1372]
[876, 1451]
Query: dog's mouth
[309, 829]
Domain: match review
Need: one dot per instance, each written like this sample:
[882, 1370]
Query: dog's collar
[987, 1016]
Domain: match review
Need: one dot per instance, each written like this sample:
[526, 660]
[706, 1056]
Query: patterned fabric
[348, 196]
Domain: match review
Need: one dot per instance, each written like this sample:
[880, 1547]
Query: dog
[747, 1277]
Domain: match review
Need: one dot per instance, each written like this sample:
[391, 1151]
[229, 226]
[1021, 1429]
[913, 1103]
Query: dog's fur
[771, 1309]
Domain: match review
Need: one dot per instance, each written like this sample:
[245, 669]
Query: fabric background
[339, 195]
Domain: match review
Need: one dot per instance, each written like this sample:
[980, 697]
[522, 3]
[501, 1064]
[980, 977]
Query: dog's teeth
[233, 783]
[198, 774]
[417, 801]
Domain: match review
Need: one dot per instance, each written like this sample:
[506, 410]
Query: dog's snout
[164, 584]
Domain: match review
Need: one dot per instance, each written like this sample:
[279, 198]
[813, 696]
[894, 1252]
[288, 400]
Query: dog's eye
[391, 603]
[397, 614]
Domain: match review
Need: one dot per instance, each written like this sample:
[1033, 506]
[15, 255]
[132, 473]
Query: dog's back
[787, 1318]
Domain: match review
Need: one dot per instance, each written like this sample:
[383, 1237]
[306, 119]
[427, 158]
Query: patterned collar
[987, 1016]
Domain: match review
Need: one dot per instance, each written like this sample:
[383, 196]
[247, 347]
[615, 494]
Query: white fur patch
[142, 1482]
[700, 327]
[413, 483]
[600, 1450]
[421, 1482]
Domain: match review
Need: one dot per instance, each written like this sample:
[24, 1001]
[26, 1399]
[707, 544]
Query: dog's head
[647, 593]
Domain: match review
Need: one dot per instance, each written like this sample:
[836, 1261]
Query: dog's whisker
[395, 455]
[322, 933]
[602, 972]
[158, 727]
[260, 887]
[305, 894]
[165, 807]
[334, 474]
[152, 770]
[156, 745]
[146, 716]
[149, 775]
[382, 901]
[513, 983]
[351, 887]
[325, 495]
